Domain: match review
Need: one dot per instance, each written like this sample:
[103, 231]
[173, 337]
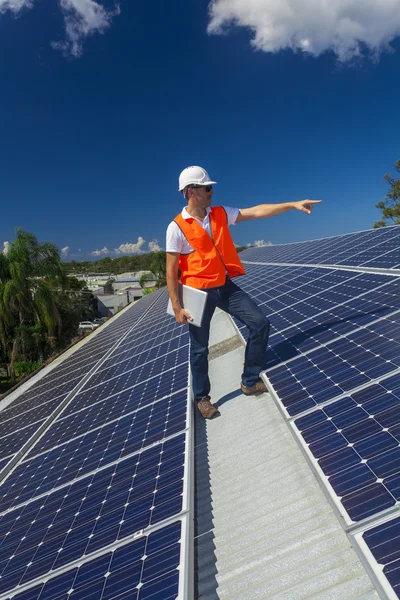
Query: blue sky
[103, 105]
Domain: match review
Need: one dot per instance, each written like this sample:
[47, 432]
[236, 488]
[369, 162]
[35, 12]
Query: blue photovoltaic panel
[356, 443]
[92, 513]
[153, 420]
[111, 409]
[383, 542]
[121, 362]
[323, 326]
[114, 463]
[356, 249]
[28, 408]
[155, 387]
[22, 418]
[145, 569]
[384, 255]
[16, 439]
[351, 361]
[120, 376]
[141, 375]
[93, 449]
[336, 300]
[11, 420]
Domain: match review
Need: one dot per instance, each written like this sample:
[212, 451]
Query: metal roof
[264, 528]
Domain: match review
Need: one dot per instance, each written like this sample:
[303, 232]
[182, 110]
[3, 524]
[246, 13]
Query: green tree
[390, 207]
[29, 271]
[158, 267]
[75, 303]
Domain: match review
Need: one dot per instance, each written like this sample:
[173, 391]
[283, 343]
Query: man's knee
[261, 324]
[198, 353]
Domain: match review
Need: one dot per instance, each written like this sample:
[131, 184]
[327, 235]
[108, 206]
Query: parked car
[87, 326]
[98, 321]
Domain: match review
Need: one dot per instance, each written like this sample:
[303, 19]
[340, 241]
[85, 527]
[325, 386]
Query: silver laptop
[193, 300]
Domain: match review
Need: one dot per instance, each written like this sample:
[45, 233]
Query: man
[199, 243]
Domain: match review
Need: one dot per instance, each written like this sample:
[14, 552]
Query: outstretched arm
[263, 211]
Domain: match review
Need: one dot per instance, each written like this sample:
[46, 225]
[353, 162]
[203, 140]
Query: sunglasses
[208, 188]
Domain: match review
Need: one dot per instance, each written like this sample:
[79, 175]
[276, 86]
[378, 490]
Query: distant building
[127, 279]
[109, 304]
[125, 289]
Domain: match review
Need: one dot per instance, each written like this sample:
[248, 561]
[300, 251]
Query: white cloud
[129, 248]
[311, 26]
[6, 246]
[261, 243]
[64, 251]
[101, 252]
[153, 246]
[82, 18]
[14, 5]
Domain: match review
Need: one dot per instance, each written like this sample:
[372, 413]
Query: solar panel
[354, 443]
[381, 547]
[356, 249]
[94, 512]
[111, 471]
[142, 569]
[23, 415]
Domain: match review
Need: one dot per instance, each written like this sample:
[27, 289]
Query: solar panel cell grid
[16, 439]
[141, 570]
[381, 546]
[35, 413]
[114, 369]
[155, 387]
[352, 249]
[353, 360]
[4, 461]
[92, 513]
[321, 329]
[142, 373]
[170, 412]
[84, 454]
[27, 403]
[140, 344]
[105, 469]
[48, 392]
[356, 443]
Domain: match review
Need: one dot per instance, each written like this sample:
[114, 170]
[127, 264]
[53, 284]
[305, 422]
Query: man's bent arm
[181, 315]
[263, 211]
[172, 279]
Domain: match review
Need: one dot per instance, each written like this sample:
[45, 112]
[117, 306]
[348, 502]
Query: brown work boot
[257, 388]
[206, 409]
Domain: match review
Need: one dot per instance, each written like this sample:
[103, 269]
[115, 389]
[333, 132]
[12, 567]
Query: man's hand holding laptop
[183, 316]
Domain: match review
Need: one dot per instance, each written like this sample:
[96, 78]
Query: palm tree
[158, 267]
[4, 309]
[26, 295]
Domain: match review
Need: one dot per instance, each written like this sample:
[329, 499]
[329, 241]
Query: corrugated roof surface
[264, 528]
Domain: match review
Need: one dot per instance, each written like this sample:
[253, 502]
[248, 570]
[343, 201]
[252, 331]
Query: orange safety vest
[214, 257]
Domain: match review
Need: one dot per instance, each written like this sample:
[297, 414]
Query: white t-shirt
[176, 240]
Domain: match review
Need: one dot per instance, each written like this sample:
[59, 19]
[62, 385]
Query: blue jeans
[230, 298]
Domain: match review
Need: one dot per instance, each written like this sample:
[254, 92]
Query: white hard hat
[194, 176]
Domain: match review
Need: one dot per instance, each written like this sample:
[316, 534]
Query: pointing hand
[306, 205]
